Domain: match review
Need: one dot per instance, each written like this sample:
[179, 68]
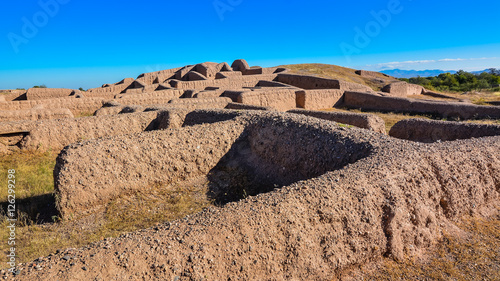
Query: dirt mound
[333, 197]
[423, 130]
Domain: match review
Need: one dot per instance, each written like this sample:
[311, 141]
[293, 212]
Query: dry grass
[389, 118]
[85, 114]
[33, 173]
[473, 257]
[338, 72]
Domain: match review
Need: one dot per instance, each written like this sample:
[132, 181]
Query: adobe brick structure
[77, 106]
[113, 89]
[403, 89]
[444, 109]
[48, 93]
[10, 95]
[371, 74]
[56, 134]
[282, 99]
[360, 120]
[35, 114]
[312, 82]
[424, 130]
[319, 99]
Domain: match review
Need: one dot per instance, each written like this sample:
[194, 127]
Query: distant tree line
[461, 81]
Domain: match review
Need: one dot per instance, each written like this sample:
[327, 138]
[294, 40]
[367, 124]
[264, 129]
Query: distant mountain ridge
[399, 73]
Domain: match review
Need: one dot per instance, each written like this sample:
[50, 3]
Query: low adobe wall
[38, 114]
[78, 192]
[307, 82]
[423, 130]
[47, 93]
[216, 100]
[311, 82]
[208, 94]
[440, 95]
[235, 105]
[161, 94]
[370, 74]
[113, 89]
[77, 106]
[265, 83]
[360, 120]
[403, 89]
[349, 86]
[280, 99]
[10, 95]
[109, 110]
[157, 76]
[147, 89]
[438, 108]
[17, 126]
[56, 134]
[319, 99]
[234, 83]
[154, 104]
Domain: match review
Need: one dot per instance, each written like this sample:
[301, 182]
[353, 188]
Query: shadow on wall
[266, 157]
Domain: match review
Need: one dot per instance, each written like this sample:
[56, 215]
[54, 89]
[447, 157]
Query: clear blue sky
[70, 43]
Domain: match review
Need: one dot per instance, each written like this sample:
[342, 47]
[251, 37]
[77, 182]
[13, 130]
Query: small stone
[66, 258]
[84, 268]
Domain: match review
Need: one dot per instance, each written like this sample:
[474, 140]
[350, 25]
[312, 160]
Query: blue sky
[70, 43]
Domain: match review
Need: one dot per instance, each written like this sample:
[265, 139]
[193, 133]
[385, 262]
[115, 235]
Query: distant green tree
[40, 86]
[81, 89]
[482, 84]
[461, 81]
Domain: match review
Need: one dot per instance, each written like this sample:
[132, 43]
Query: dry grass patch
[85, 114]
[33, 173]
[389, 118]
